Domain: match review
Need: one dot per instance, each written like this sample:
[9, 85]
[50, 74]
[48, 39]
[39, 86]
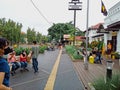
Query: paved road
[66, 77]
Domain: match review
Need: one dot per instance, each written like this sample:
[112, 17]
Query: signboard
[66, 36]
[75, 0]
[75, 7]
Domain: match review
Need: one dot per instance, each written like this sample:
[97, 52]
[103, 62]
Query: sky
[52, 11]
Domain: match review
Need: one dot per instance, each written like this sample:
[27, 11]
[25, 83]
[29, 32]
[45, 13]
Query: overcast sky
[55, 11]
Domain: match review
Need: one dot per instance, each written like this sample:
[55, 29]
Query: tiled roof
[79, 37]
[97, 26]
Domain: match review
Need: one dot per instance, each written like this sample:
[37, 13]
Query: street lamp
[75, 5]
[109, 69]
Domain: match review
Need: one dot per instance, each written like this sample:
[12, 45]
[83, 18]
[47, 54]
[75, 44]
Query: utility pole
[75, 5]
[74, 26]
[87, 21]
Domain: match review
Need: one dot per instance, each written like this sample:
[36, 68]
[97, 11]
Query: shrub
[20, 49]
[73, 52]
[42, 48]
[70, 49]
[93, 44]
[27, 50]
[76, 56]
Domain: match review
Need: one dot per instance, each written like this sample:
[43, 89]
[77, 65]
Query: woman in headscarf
[4, 67]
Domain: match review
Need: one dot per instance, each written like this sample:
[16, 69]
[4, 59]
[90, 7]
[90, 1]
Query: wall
[113, 14]
[118, 41]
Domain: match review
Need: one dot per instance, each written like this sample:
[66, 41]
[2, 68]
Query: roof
[79, 38]
[114, 25]
[97, 26]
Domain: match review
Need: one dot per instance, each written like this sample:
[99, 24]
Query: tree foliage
[32, 35]
[10, 30]
[56, 31]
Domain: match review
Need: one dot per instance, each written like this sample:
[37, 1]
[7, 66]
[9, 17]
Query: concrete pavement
[66, 77]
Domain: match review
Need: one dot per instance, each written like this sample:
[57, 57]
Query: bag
[29, 57]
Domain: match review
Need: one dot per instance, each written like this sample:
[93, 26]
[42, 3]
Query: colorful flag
[103, 9]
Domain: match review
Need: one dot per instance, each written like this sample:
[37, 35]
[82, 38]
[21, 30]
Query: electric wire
[40, 12]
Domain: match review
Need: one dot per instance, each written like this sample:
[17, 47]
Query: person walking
[35, 52]
[4, 67]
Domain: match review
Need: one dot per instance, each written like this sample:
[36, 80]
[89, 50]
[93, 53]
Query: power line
[40, 12]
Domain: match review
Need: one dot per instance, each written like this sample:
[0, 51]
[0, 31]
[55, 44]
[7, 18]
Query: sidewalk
[66, 77]
[94, 71]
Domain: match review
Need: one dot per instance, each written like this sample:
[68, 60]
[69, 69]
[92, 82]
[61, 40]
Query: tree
[39, 37]
[79, 32]
[31, 35]
[58, 30]
[10, 30]
[23, 37]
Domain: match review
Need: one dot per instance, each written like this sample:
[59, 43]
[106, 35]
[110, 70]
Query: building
[94, 33]
[109, 31]
[112, 24]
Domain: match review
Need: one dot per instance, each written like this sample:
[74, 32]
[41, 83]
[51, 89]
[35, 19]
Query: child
[91, 58]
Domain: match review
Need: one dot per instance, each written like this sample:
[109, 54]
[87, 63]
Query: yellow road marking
[52, 77]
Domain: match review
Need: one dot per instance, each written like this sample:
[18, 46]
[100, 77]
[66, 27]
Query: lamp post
[109, 69]
[75, 5]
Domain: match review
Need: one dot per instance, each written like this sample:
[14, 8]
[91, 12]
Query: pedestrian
[35, 52]
[109, 49]
[60, 45]
[84, 54]
[4, 67]
[98, 57]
